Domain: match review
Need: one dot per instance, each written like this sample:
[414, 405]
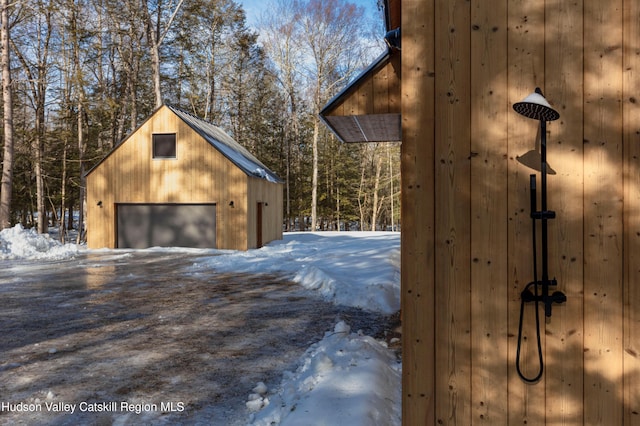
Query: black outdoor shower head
[535, 106]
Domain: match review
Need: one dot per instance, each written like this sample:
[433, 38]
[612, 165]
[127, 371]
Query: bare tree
[279, 37]
[316, 48]
[37, 78]
[6, 186]
[333, 56]
[377, 202]
[155, 37]
[78, 80]
[207, 58]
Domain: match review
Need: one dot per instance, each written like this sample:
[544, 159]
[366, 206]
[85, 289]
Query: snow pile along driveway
[345, 379]
[20, 243]
[359, 269]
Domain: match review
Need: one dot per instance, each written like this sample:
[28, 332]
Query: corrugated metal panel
[224, 143]
[366, 128]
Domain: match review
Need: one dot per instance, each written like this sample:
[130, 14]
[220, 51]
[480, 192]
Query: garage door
[166, 225]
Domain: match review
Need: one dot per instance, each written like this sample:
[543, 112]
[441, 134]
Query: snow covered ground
[360, 269]
[346, 378]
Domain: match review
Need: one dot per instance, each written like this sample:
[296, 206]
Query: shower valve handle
[556, 297]
[547, 299]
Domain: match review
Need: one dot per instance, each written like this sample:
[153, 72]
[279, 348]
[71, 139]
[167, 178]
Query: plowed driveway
[138, 337]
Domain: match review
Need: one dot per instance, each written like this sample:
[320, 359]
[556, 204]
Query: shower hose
[527, 296]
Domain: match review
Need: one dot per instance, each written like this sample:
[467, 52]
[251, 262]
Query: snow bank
[20, 243]
[359, 269]
[345, 379]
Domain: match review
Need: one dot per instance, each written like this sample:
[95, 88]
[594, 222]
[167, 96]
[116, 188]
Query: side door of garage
[166, 225]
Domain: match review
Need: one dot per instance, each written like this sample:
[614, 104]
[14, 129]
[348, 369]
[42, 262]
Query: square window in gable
[164, 145]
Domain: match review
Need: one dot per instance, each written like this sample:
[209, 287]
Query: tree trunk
[361, 194]
[338, 206]
[155, 66]
[82, 197]
[376, 189]
[314, 178]
[38, 155]
[155, 37]
[62, 229]
[154, 50]
[70, 210]
[81, 144]
[6, 184]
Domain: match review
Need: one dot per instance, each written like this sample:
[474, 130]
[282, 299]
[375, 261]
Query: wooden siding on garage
[198, 174]
[467, 245]
[271, 196]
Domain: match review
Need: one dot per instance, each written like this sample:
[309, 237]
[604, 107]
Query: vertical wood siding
[261, 191]
[198, 174]
[631, 243]
[461, 139]
[564, 65]
[603, 205]
[453, 207]
[418, 212]
[488, 164]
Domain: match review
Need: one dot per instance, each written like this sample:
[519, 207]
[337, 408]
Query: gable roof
[221, 141]
[228, 146]
[368, 109]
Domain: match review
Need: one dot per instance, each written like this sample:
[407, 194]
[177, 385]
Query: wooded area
[80, 75]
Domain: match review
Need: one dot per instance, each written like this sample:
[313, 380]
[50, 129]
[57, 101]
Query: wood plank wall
[603, 206]
[198, 174]
[631, 242]
[418, 213]
[453, 207]
[466, 242]
[271, 196]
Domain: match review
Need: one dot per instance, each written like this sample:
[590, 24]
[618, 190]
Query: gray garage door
[166, 225]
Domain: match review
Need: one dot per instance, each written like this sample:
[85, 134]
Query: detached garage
[179, 181]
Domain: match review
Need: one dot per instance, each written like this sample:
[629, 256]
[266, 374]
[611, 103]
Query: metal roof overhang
[368, 110]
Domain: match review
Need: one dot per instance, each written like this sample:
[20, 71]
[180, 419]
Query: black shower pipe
[527, 295]
[544, 215]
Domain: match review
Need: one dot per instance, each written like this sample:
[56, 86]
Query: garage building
[180, 181]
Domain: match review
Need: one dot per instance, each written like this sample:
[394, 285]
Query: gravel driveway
[137, 337]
